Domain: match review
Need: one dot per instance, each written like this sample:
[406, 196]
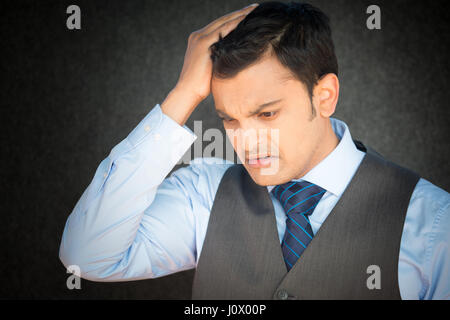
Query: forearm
[101, 229]
[179, 105]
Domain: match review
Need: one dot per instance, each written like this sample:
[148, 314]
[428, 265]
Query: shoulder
[211, 163]
[210, 168]
[429, 213]
[429, 209]
[430, 198]
[206, 167]
[203, 174]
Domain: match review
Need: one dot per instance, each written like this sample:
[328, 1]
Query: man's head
[279, 52]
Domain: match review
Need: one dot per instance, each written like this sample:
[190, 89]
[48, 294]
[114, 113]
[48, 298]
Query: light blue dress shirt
[135, 221]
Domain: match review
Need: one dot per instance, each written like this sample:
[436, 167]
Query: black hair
[297, 33]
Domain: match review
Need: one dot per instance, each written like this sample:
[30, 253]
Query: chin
[261, 179]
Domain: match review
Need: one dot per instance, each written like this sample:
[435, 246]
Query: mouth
[260, 161]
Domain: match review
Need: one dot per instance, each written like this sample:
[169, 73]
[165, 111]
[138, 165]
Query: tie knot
[298, 196]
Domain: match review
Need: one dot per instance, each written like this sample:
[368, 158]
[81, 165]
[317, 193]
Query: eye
[268, 115]
[226, 119]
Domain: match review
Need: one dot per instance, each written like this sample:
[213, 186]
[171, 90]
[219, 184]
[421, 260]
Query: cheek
[292, 143]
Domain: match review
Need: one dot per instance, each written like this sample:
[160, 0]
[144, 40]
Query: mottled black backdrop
[68, 97]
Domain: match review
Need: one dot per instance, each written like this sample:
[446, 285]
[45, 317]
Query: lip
[258, 156]
[261, 162]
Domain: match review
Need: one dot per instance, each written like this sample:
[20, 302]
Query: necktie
[298, 199]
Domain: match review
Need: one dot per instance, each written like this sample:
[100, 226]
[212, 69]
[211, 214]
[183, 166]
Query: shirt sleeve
[424, 264]
[109, 234]
[437, 266]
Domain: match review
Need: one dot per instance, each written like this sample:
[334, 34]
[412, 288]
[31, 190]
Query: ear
[326, 94]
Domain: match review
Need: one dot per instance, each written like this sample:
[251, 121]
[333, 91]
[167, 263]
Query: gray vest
[241, 256]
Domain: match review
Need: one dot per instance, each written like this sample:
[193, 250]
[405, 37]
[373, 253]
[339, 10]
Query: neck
[327, 144]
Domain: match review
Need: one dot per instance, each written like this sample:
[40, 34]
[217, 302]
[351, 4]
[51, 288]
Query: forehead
[265, 80]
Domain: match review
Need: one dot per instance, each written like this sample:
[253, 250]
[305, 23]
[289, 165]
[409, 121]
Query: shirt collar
[336, 170]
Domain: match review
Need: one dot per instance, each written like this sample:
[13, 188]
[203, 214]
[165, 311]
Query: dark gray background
[68, 97]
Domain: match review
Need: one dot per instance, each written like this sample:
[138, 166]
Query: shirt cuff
[153, 122]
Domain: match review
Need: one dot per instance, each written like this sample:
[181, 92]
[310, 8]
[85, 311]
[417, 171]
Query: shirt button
[157, 136]
[282, 294]
[147, 128]
[105, 174]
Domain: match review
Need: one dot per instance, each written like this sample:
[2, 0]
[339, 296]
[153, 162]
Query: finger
[230, 16]
[227, 27]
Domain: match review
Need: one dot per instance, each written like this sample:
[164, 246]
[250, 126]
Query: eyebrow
[257, 110]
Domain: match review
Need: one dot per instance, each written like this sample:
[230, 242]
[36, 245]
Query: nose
[252, 141]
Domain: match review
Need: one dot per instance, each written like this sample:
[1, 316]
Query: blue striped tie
[298, 198]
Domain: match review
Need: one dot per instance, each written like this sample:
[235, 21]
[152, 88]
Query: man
[334, 220]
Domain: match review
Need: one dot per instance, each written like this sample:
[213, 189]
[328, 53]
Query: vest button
[282, 294]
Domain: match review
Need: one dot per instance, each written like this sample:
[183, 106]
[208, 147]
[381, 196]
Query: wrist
[187, 93]
[179, 104]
